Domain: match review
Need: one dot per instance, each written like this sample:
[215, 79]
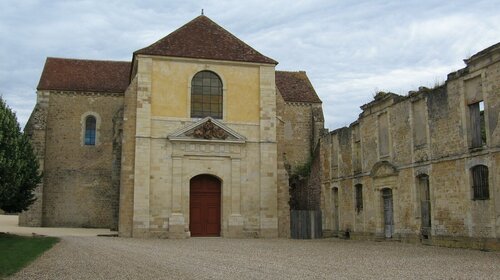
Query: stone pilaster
[235, 223]
[268, 154]
[177, 221]
[125, 215]
[142, 148]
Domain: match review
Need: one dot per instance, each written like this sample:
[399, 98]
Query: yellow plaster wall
[171, 81]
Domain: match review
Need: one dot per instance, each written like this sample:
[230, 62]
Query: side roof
[84, 75]
[113, 77]
[203, 38]
[296, 87]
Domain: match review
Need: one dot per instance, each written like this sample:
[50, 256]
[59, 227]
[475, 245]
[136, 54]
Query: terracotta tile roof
[84, 75]
[296, 87]
[203, 38]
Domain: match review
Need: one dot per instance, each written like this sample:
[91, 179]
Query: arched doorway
[204, 205]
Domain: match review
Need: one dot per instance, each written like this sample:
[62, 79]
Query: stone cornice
[85, 93]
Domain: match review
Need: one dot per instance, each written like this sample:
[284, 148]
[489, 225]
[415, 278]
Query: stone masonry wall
[298, 133]
[283, 187]
[35, 129]
[78, 189]
[403, 139]
[128, 161]
[298, 128]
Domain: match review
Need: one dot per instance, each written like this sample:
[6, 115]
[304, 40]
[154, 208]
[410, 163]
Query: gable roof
[84, 75]
[296, 87]
[203, 38]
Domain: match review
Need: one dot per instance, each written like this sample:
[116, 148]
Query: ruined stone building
[420, 167]
[190, 138]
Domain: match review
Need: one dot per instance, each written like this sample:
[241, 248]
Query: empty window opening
[359, 198]
[477, 124]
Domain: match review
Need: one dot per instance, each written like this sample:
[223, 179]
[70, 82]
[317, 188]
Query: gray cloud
[349, 49]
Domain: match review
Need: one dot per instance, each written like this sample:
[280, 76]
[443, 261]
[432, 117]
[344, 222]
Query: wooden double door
[205, 206]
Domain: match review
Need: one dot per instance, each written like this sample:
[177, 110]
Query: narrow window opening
[477, 124]
[482, 122]
[359, 198]
[90, 131]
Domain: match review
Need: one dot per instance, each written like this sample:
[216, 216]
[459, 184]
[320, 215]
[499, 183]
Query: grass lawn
[18, 251]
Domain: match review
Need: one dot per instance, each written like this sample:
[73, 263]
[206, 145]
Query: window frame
[90, 134]
[83, 130]
[202, 95]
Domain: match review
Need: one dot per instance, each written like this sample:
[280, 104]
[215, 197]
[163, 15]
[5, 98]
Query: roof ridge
[234, 36]
[86, 59]
[291, 71]
[171, 33]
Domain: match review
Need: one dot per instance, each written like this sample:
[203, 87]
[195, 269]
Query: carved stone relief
[208, 130]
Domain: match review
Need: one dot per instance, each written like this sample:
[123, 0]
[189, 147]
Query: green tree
[19, 174]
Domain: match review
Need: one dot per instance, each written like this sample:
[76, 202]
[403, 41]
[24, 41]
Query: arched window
[90, 131]
[480, 182]
[206, 95]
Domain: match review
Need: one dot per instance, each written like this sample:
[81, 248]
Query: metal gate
[388, 213]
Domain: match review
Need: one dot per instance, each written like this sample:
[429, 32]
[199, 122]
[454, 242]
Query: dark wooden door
[204, 206]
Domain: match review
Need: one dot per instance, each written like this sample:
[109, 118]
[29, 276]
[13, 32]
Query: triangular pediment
[207, 129]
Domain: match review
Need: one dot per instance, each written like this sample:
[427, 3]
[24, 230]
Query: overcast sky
[349, 49]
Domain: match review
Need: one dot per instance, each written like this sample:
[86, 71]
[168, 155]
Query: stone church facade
[423, 167]
[199, 135]
[185, 140]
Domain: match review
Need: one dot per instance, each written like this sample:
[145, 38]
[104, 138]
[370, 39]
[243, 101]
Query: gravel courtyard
[218, 258]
